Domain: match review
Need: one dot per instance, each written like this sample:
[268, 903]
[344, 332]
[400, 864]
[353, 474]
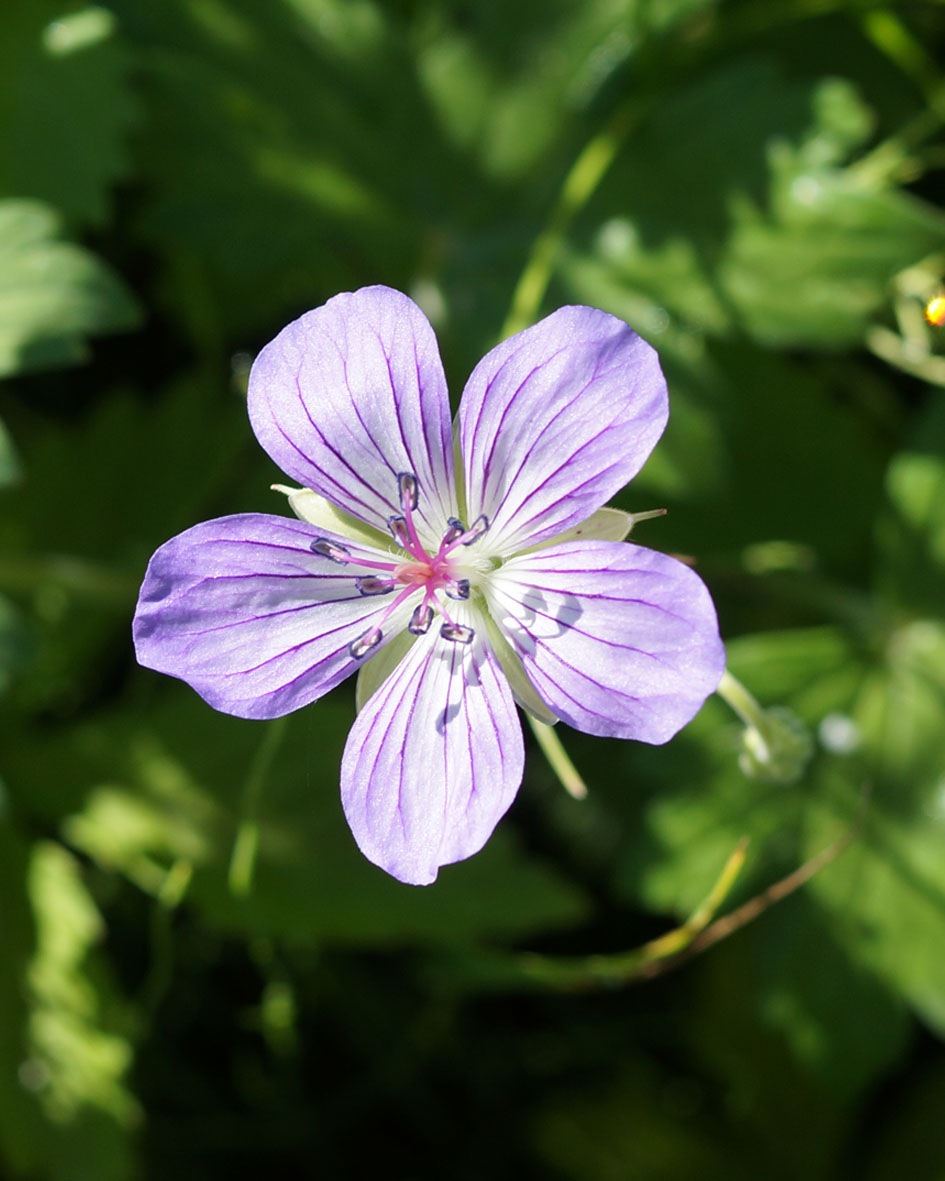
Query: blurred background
[200, 976]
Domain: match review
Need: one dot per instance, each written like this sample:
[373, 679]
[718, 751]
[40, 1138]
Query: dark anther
[326, 548]
[421, 619]
[457, 633]
[409, 490]
[398, 528]
[476, 529]
[370, 584]
[363, 644]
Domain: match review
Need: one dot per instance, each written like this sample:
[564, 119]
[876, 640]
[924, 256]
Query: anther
[398, 528]
[363, 644]
[458, 589]
[456, 529]
[475, 531]
[421, 619]
[326, 548]
[457, 633]
[409, 490]
[370, 584]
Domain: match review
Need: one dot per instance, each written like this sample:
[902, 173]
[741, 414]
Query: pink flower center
[421, 573]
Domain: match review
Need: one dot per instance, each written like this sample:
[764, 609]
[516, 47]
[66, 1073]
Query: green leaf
[820, 999]
[170, 789]
[65, 106]
[52, 294]
[85, 1064]
[818, 266]
[910, 568]
[21, 1124]
[750, 221]
[16, 643]
[66, 1113]
[10, 467]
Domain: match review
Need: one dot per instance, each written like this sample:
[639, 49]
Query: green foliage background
[757, 188]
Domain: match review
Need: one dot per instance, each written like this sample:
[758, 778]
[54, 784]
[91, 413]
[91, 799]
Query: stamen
[458, 590]
[363, 644]
[457, 633]
[370, 584]
[409, 490]
[421, 619]
[398, 527]
[458, 535]
[326, 548]
[476, 529]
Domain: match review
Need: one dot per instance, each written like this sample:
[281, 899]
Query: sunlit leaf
[53, 295]
[749, 220]
[67, 1111]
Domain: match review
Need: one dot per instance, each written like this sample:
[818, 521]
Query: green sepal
[607, 524]
[316, 510]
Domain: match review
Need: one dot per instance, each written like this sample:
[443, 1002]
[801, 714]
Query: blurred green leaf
[504, 83]
[175, 794]
[911, 531]
[85, 1064]
[21, 1125]
[65, 106]
[649, 1122]
[52, 294]
[16, 643]
[66, 1113]
[308, 107]
[10, 468]
[749, 221]
[137, 472]
[820, 999]
[741, 464]
[697, 822]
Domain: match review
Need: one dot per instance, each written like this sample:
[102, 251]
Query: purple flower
[458, 583]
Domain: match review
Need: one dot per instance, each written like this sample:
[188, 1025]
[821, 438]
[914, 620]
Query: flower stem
[583, 178]
[702, 930]
[558, 760]
[160, 973]
[734, 693]
[246, 843]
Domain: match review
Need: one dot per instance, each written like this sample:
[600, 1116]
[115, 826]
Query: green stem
[169, 896]
[734, 694]
[558, 760]
[758, 728]
[246, 844]
[702, 930]
[583, 178]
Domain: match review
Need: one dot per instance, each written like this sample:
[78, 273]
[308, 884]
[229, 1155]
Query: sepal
[316, 510]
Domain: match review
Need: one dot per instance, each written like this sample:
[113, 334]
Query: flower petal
[555, 420]
[352, 394]
[243, 611]
[434, 758]
[618, 640]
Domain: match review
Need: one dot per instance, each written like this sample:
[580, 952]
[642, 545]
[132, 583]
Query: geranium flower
[459, 586]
